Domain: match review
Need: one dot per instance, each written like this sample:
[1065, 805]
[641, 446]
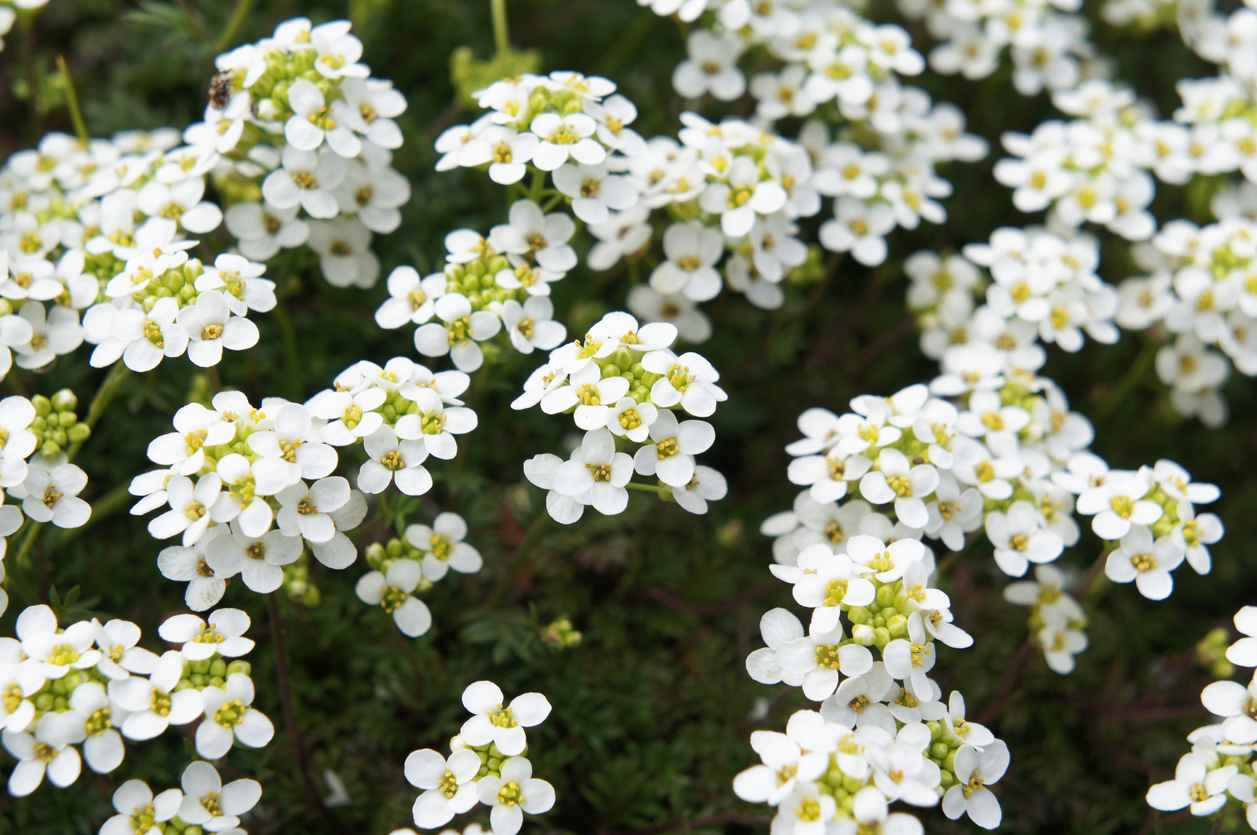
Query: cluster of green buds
[298, 585]
[491, 758]
[1211, 653]
[178, 283]
[478, 279]
[883, 620]
[56, 425]
[560, 635]
[210, 672]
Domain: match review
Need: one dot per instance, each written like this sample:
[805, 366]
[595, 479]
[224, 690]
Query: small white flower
[258, 559]
[450, 785]
[224, 635]
[393, 460]
[153, 703]
[512, 794]
[443, 547]
[974, 771]
[304, 511]
[1193, 785]
[53, 496]
[209, 804]
[392, 591]
[1146, 562]
[228, 717]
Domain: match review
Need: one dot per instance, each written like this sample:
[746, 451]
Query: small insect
[220, 90]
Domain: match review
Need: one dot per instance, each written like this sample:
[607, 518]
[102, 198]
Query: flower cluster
[300, 138]
[1057, 620]
[486, 764]
[499, 284]
[624, 387]
[1044, 288]
[203, 802]
[1219, 767]
[1201, 288]
[412, 565]
[34, 467]
[1047, 41]
[90, 684]
[880, 164]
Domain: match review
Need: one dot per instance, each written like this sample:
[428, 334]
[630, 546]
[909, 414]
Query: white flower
[974, 771]
[911, 659]
[692, 251]
[117, 641]
[189, 565]
[512, 794]
[103, 748]
[149, 336]
[1059, 640]
[742, 197]
[907, 486]
[706, 485]
[307, 179]
[242, 283]
[351, 415]
[209, 804]
[1194, 534]
[182, 202]
[393, 460]
[223, 635]
[154, 704]
[258, 559]
[503, 726]
[593, 190]
[539, 470]
[1232, 701]
[411, 299]
[712, 67]
[53, 496]
[539, 237]
[290, 451]
[563, 135]
[671, 455]
[688, 380]
[835, 582]
[596, 475]
[304, 511]
[859, 228]
[443, 547]
[313, 121]
[450, 785]
[1019, 538]
[189, 508]
[459, 333]
[58, 652]
[261, 230]
[211, 326]
[20, 681]
[48, 751]
[132, 800]
[1193, 785]
[1243, 653]
[1146, 562]
[228, 717]
[392, 592]
[531, 325]
[1117, 505]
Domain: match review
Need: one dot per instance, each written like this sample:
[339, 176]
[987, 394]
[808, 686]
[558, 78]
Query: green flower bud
[78, 433]
[218, 667]
[65, 401]
[43, 406]
[49, 449]
[885, 596]
[60, 438]
[939, 750]
[375, 555]
[881, 637]
[898, 626]
[239, 667]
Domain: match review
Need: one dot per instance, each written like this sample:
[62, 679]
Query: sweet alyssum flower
[501, 725]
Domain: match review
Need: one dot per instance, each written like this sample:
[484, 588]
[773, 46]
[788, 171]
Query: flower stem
[238, 15]
[501, 38]
[290, 717]
[104, 396]
[535, 530]
[72, 101]
[648, 488]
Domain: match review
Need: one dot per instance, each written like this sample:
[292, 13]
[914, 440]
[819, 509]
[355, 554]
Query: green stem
[551, 203]
[72, 101]
[238, 15]
[292, 357]
[1127, 385]
[24, 553]
[538, 184]
[104, 396]
[535, 530]
[501, 39]
[647, 488]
